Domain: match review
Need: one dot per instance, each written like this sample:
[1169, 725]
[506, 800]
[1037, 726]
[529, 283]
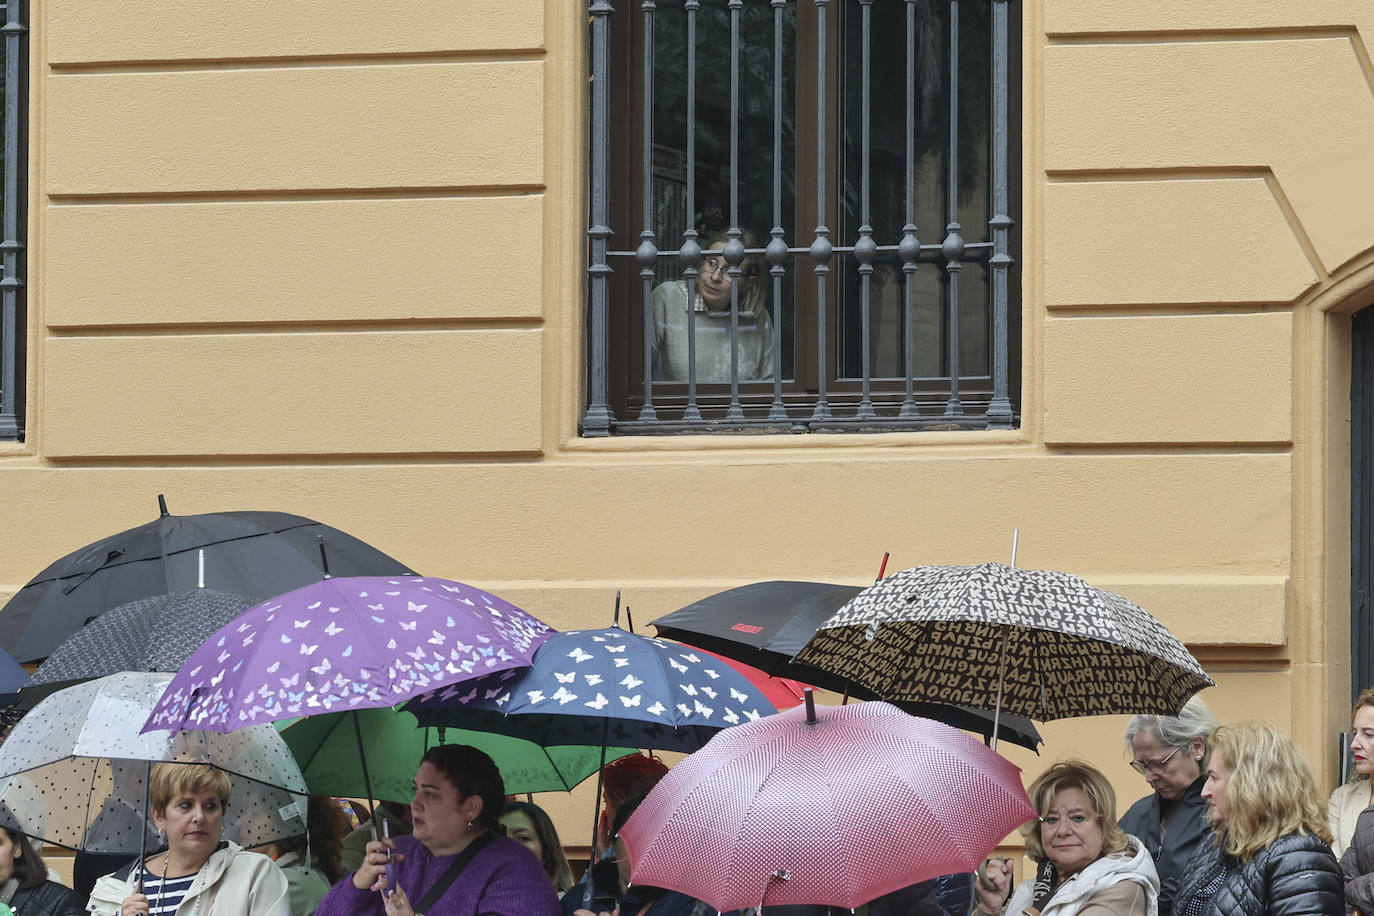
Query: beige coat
[1343, 810]
[232, 882]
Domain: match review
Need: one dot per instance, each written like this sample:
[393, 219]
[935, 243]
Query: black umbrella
[254, 553]
[1040, 643]
[765, 624]
[150, 634]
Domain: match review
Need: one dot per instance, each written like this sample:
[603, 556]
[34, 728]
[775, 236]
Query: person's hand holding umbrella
[135, 905]
[992, 886]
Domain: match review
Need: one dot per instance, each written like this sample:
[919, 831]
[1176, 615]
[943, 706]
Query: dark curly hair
[472, 772]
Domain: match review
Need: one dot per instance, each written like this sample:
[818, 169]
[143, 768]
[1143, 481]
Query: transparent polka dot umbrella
[73, 771]
[861, 801]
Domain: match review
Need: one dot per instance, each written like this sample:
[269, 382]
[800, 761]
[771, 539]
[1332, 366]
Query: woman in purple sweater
[452, 864]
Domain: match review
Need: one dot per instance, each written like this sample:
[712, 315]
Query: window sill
[687, 443]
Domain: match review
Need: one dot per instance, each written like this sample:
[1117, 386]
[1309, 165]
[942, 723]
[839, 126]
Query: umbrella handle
[143, 829]
[589, 890]
[1001, 678]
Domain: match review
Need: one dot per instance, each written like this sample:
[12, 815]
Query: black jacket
[1297, 875]
[1174, 848]
[47, 899]
[1357, 865]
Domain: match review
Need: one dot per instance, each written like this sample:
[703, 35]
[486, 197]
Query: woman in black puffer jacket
[24, 883]
[1271, 852]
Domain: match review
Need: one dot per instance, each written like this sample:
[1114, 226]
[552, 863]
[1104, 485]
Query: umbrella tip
[810, 706]
[162, 505]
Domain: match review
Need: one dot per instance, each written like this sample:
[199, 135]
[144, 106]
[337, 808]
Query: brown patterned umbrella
[1056, 646]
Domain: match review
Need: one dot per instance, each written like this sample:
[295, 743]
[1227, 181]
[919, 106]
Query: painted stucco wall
[283, 258]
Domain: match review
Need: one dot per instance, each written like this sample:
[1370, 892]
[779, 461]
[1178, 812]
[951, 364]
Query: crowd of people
[1234, 824]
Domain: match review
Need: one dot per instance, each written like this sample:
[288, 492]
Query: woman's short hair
[472, 772]
[173, 780]
[554, 860]
[29, 869]
[1194, 720]
[1088, 779]
[1271, 790]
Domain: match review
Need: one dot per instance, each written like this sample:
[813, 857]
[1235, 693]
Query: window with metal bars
[801, 215]
[14, 148]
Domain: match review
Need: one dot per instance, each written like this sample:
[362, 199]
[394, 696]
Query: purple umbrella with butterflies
[346, 644]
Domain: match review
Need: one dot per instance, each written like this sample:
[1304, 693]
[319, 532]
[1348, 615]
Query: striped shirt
[165, 896]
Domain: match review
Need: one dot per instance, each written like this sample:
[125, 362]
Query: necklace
[162, 888]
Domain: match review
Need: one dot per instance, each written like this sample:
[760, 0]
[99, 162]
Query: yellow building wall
[333, 264]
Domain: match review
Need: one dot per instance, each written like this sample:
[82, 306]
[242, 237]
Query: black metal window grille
[846, 165]
[13, 218]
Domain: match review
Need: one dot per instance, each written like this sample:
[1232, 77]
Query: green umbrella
[326, 748]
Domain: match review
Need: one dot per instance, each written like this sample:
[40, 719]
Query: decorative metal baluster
[909, 248]
[598, 419]
[647, 252]
[999, 408]
[13, 336]
[777, 246]
[690, 253]
[953, 246]
[865, 248]
[734, 248]
[821, 247]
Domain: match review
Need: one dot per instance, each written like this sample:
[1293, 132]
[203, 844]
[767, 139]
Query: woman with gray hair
[1171, 753]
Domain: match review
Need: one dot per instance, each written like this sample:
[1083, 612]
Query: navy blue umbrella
[12, 677]
[603, 686]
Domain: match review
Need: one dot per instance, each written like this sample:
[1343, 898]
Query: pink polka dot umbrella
[859, 801]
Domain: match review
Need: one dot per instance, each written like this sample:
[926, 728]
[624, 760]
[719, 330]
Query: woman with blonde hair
[1270, 852]
[1088, 865]
[1171, 753]
[1348, 800]
[198, 873]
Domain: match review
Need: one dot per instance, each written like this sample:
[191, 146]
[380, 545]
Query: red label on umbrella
[746, 628]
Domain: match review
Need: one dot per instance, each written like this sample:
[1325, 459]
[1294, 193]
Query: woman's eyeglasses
[1151, 766]
[716, 264]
